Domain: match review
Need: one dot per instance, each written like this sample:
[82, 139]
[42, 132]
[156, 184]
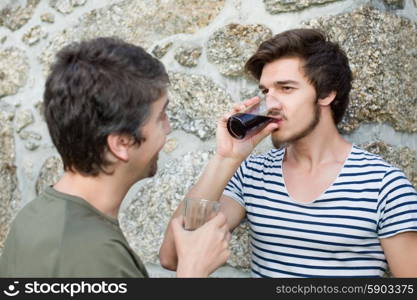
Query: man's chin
[276, 141]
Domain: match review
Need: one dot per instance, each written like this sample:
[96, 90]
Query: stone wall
[204, 44]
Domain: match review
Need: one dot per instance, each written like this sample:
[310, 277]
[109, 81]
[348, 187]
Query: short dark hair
[325, 63]
[95, 88]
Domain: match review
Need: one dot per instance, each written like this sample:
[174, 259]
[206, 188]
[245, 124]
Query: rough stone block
[383, 56]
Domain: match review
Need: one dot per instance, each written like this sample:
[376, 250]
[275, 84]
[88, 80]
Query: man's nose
[272, 102]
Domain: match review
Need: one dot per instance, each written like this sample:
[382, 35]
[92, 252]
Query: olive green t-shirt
[59, 235]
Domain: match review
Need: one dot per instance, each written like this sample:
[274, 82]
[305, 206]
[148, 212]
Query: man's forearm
[209, 186]
[214, 179]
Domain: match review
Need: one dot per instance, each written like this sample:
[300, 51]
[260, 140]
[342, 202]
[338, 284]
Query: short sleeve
[397, 205]
[113, 259]
[234, 188]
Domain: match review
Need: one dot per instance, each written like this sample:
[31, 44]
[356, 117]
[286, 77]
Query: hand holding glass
[198, 211]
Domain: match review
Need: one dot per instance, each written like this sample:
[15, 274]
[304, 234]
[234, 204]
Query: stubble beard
[278, 143]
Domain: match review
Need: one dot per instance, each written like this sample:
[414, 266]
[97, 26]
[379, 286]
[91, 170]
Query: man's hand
[229, 147]
[203, 250]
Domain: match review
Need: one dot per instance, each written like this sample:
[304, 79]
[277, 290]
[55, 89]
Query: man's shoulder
[360, 157]
[94, 246]
[38, 211]
[364, 164]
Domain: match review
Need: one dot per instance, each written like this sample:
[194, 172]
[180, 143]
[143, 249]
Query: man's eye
[287, 88]
[264, 91]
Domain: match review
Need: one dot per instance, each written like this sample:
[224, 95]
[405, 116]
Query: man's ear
[119, 144]
[326, 101]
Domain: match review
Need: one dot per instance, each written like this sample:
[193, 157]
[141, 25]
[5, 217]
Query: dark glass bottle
[241, 125]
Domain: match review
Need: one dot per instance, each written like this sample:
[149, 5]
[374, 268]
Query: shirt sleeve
[234, 188]
[397, 205]
[113, 259]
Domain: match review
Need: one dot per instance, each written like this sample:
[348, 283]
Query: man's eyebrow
[284, 82]
[280, 82]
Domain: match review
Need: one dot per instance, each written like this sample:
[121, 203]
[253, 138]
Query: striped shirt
[336, 235]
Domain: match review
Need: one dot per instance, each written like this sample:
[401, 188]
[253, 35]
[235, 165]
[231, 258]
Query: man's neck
[103, 192]
[323, 145]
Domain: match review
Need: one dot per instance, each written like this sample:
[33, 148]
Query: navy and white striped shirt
[336, 235]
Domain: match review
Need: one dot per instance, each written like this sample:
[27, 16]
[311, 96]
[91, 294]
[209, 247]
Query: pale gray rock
[188, 56]
[240, 255]
[39, 108]
[13, 70]
[23, 119]
[280, 6]
[34, 35]
[196, 104]
[30, 135]
[145, 219]
[9, 192]
[394, 4]
[48, 55]
[66, 6]
[31, 145]
[76, 3]
[383, 56]
[31, 139]
[159, 51]
[14, 15]
[63, 6]
[170, 145]
[28, 166]
[51, 171]
[48, 18]
[403, 158]
[140, 22]
[230, 47]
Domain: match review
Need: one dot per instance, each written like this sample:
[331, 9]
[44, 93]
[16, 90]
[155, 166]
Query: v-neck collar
[281, 165]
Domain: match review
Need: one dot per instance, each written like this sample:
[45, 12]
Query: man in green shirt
[104, 104]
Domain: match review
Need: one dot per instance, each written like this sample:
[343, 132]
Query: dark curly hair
[325, 63]
[95, 88]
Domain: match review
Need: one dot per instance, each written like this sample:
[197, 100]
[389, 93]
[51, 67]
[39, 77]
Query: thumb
[264, 133]
[219, 220]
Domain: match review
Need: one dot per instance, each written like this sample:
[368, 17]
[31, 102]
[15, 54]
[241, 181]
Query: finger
[177, 224]
[226, 233]
[225, 227]
[219, 220]
[225, 117]
[237, 108]
[264, 133]
[251, 101]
